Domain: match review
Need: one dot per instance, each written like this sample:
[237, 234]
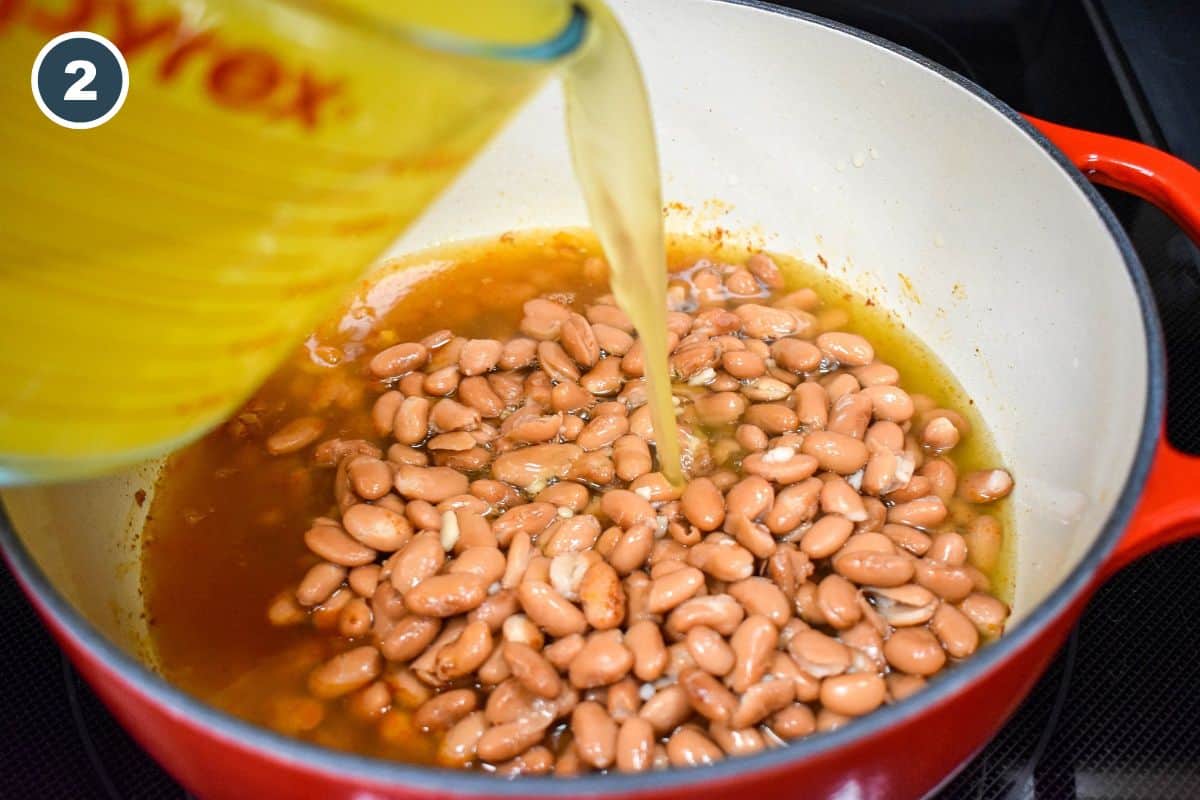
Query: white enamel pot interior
[915, 187]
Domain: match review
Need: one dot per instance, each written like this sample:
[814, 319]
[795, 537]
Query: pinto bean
[839, 497]
[626, 508]
[376, 527]
[549, 609]
[794, 505]
[838, 600]
[601, 596]
[846, 348]
[431, 484]
[465, 654]
[411, 422]
[537, 464]
[532, 669]
[644, 640]
[530, 519]
[398, 360]
[853, 695]
[595, 735]
[759, 701]
[955, 631]
[319, 583]
[707, 695]
[871, 568]
[915, 651]
[773, 418]
[835, 452]
[295, 435]
[709, 650]
[631, 457]
[783, 465]
[446, 595]
[632, 549]
[826, 536]
[985, 485]
[760, 596]
[666, 708]
[332, 543]
[750, 497]
[635, 745]
[421, 558]
[457, 748]
[850, 415]
[702, 504]
[792, 722]
[510, 739]
[949, 583]
[986, 612]
[689, 747]
[720, 612]
[670, 590]
[345, 673]
[603, 660]
[722, 559]
[818, 654]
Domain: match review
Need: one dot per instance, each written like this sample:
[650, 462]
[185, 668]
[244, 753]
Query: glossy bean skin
[673, 589]
[710, 650]
[793, 722]
[759, 701]
[635, 745]
[333, 544]
[760, 596]
[666, 709]
[688, 747]
[751, 645]
[836, 452]
[955, 631]
[295, 435]
[987, 613]
[644, 640]
[465, 654]
[703, 504]
[345, 673]
[446, 595]
[518, 539]
[915, 651]
[604, 659]
[550, 610]
[319, 583]
[853, 695]
[595, 735]
[720, 612]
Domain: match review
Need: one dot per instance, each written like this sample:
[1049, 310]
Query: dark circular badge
[80, 80]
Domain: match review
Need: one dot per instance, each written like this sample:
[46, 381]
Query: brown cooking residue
[454, 548]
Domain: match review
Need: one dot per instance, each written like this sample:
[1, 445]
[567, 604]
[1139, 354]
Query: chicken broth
[225, 539]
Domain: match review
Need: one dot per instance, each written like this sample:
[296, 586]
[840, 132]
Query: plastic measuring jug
[154, 269]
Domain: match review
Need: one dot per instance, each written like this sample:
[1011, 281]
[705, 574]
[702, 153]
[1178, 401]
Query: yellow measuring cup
[155, 268]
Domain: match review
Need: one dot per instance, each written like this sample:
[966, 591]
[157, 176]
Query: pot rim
[338, 765]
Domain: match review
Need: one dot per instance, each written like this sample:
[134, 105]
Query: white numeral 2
[78, 90]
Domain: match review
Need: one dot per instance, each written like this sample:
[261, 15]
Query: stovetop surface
[1117, 715]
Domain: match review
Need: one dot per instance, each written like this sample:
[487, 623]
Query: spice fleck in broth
[226, 534]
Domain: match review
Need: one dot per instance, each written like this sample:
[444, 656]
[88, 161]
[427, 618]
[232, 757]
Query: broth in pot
[449, 503]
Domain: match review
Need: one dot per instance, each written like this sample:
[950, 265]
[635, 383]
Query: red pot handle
[1169, 508]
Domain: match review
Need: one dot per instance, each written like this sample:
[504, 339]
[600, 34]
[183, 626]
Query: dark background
[1118, 713]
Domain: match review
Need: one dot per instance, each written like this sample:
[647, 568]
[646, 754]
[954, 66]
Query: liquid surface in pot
[225, 534]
